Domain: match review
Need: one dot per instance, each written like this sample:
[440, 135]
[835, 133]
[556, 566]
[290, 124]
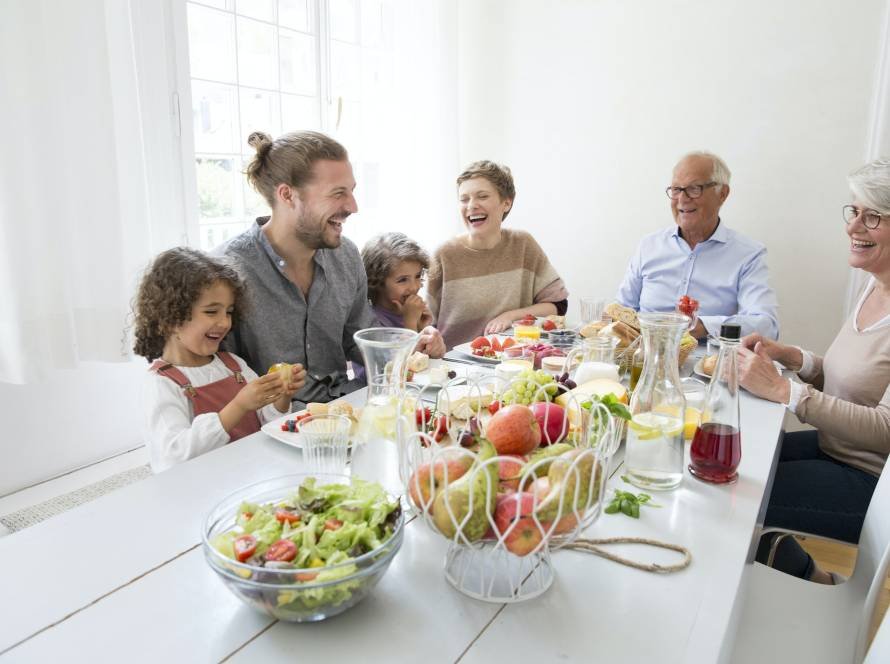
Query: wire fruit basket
[505, 513]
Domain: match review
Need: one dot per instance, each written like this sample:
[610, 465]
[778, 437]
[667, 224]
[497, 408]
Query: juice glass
[522, 331]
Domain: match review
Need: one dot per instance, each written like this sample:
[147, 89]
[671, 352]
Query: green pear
[471, 499]
[547, 454]
[564, 479]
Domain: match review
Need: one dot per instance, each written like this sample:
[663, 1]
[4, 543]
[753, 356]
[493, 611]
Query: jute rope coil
[591, 546]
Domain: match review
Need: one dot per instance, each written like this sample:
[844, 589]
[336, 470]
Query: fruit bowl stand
[504, 515]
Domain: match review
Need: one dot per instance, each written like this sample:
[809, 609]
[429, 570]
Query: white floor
[71, 481]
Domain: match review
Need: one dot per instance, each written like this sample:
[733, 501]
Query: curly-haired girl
[196, 397]
[395, 266]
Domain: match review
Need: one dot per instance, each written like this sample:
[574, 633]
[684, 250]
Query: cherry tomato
[494, 407]
[422, 416]
[245, 547]
[332, 524]
[283, 515]
[441, 428]
[283, 550]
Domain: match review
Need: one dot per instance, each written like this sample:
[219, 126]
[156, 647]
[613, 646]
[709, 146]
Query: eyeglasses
[692, 191]
[870, 218]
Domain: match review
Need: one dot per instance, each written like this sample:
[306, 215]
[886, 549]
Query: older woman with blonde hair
[825, 478]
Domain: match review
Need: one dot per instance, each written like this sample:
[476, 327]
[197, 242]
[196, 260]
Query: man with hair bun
[307, 285]
[702, 258]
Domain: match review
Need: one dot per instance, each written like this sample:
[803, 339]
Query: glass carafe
[654, 452]
[717, 446]
[376, 456]
[593, 358]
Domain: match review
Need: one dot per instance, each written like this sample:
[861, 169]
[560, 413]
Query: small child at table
[395, 266]
[197, 398]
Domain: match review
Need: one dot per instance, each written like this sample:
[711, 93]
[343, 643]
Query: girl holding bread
[196, 397]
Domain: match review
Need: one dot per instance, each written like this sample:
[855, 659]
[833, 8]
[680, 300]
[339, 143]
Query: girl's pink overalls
[213, 397]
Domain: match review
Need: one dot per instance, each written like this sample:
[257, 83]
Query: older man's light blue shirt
[726, 273]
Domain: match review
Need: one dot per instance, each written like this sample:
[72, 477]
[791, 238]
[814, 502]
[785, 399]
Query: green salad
[317, 532]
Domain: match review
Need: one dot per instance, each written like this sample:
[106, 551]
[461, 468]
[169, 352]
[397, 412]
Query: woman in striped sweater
[483, 280]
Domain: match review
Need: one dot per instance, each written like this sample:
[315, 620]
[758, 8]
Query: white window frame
[319, 17]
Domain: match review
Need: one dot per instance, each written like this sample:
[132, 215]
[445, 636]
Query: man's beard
[312, 234]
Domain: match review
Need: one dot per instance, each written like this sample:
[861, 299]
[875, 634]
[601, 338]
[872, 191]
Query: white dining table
[123, 578]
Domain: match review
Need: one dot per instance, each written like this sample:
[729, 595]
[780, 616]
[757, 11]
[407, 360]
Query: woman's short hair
[382, 253]
[498, 174]
[870, 184]
[288, 159]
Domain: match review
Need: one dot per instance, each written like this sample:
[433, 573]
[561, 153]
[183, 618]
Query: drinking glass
[325, 442]
[591, 309]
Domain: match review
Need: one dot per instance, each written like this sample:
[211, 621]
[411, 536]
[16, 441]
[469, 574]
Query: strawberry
[441, 428]
[422, 416]
[494, 407]
[548, 325]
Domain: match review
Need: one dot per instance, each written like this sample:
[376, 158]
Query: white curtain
[74, 212]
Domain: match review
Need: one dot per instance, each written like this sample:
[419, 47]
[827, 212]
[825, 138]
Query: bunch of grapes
[526, 388]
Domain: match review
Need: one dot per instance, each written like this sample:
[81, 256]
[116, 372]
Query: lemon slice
[649, 426]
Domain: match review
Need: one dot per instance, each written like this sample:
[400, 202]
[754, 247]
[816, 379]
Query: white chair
[784, 619]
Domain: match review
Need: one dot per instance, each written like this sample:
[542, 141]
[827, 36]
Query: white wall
[591, 103]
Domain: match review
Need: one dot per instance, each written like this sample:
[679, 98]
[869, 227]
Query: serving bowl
[285, 592]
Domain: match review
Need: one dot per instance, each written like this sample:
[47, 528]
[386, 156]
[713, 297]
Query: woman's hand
[789, 356]
[500, 323]
[431, 342]
[758, 375]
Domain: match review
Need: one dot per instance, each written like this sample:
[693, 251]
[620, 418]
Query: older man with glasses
[702, 258]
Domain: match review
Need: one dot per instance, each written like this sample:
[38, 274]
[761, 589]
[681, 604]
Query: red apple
[551, 419]
[514, 430]
[509, 471]
[510, 507]
[525, 538]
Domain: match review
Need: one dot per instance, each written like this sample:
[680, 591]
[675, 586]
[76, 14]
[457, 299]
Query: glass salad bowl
[345, 533]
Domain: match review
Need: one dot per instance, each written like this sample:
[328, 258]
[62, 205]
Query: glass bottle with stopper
[716, 447]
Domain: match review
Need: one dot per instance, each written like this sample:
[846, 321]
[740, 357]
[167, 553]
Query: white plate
[466, 349]
[273, 429]
[697, 369]
[422, 378]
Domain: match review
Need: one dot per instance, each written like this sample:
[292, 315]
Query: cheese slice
[463, 401]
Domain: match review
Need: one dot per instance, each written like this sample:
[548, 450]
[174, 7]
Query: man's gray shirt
[280, 326]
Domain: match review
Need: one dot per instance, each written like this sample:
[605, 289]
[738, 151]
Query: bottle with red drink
[716, 447]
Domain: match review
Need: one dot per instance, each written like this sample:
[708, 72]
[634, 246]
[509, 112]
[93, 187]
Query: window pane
[256, 54]
[214, 115]
[343, 20]
[345, 71]
[372, 22]
[213, 235]
[261, 9]
[294, 14]
[259, 112]
[297, 62]
[219, 4]
[211, 44]
[299, 113]
[254, 204]
[216, 187]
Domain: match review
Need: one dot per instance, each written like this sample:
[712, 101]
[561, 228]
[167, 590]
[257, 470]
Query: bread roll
[625, 315]
[418, 361]
[592, 329]
[708, 364]
[625, 333]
